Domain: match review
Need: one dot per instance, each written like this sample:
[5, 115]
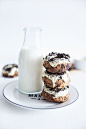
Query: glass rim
[33, 28]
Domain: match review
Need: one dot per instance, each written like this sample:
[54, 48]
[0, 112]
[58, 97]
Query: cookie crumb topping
[55, 58]
[56, 92]
[10, 69]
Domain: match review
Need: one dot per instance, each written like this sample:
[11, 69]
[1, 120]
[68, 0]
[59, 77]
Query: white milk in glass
[31, 62]
[30, 70]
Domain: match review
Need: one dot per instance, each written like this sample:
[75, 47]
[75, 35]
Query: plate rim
[26, 107]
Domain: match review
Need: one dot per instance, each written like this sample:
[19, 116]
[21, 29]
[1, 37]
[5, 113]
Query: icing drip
[55, 77]
[63, 92]
[57, 58]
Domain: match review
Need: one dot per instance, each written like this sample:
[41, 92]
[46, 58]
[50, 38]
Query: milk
[30, 70]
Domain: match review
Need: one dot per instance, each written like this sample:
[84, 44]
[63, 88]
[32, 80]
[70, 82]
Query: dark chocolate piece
[58, 85]
[54, 73]
[57, 90]
[8, 67]
[60, 77]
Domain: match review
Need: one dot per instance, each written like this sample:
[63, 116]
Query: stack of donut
[56, 77]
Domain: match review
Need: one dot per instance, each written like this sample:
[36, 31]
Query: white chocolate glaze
[13, 70]
[55, 77]
[59, 61]
[10, 72]
[61, 93]
[56, 61]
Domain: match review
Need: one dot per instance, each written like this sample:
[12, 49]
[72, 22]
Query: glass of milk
[31, 62]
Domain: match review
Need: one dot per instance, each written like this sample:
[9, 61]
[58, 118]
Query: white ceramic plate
[36, 101]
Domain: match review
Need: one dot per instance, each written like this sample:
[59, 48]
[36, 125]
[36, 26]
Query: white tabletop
[69, 117]
[63, 22]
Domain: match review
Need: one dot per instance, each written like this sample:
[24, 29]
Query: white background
[63, 23]
[64, 28]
